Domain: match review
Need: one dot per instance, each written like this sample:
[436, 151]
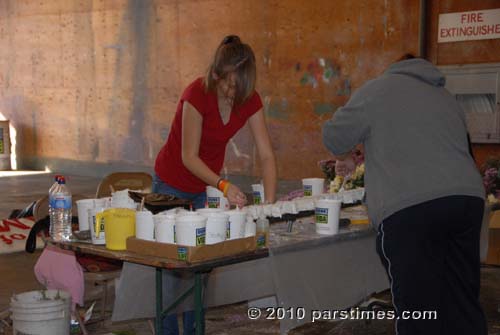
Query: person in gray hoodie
[423, 192]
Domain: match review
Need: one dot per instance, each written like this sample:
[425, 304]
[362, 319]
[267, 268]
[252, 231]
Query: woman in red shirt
[210, 112]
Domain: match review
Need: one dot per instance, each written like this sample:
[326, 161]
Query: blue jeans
[198, 199]
[170, 325]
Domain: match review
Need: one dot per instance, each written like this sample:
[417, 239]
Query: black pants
[431, 254]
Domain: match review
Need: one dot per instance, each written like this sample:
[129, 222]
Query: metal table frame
[159, 264]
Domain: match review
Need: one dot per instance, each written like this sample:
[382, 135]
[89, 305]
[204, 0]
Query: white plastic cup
[101, 239]
[102, 202]
[83, 213]
[327, 214]
[216, 199]
[313, 186]
[258, 194]
[164, 228]
[237, 220]
[144, 225]
[190, 229]
[216, 227]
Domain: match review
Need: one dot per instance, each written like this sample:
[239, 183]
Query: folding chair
[122, 180]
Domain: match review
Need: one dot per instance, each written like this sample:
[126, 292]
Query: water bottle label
[62, 202]
[52, 201]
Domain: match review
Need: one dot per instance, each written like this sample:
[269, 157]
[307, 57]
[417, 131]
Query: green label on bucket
[308, 190]
[200, 236]
[182, 253]
[261, 241]
[321, 215]
[257, 200]
[213, 202]
[228, 231]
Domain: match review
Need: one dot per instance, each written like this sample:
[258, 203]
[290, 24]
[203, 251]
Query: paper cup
[216, 227]
[190, 230]
[216, 199]
[313, 186]
[236, 227]
[164, 228]
[327, 215]
[101, 239]
[258, 194]
[144, 225]
[83, 213]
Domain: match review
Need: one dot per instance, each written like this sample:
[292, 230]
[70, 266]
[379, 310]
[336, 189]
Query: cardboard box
[494, 239]
[192, 254]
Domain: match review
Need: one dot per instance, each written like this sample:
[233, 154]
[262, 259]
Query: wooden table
[159, 263]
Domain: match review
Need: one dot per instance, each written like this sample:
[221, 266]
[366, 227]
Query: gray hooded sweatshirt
[414, 135]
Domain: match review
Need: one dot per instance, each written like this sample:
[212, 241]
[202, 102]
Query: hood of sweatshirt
[420, 69]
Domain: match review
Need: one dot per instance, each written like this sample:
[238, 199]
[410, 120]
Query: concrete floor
[16, 275]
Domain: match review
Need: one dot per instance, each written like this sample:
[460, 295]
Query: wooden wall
[97, 82]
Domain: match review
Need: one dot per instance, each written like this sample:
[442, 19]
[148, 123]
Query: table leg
[198, 304]
[159, 302]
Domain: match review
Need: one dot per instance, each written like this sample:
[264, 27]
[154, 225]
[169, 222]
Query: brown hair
[405, 57]
[233, 56]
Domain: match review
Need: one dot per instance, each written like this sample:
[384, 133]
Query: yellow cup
[119, 224]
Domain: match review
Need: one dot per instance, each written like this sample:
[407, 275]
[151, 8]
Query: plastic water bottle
[262, 232]
[51, 192]
[60, 216]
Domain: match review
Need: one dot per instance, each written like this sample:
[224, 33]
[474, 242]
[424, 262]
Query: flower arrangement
[328, 168]
[491, 179]
[349, 182]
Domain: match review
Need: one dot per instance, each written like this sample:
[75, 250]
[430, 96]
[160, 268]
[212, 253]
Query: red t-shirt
[214, 137]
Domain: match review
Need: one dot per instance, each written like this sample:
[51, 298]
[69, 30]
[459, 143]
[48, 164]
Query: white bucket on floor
[41, 312]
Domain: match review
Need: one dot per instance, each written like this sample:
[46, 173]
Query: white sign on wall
[467, 26]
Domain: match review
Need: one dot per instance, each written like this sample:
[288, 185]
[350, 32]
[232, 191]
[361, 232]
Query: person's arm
[266, 155]
[191, 137]
[347, 128]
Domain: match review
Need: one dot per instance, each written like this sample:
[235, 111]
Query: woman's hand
[235, 196]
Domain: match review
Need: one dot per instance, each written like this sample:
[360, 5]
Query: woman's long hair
[233, 56]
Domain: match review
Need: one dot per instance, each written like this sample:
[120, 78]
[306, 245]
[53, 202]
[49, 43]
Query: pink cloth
[58, 269]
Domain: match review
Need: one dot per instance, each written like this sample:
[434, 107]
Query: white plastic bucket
[144, 225]
[313, 186]
[216, 199]
[237, 220]
[216, 227]
[41, 312]
[258, 194]
[164, 228]
[327, 215]
[190, 229]
[101, 239]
